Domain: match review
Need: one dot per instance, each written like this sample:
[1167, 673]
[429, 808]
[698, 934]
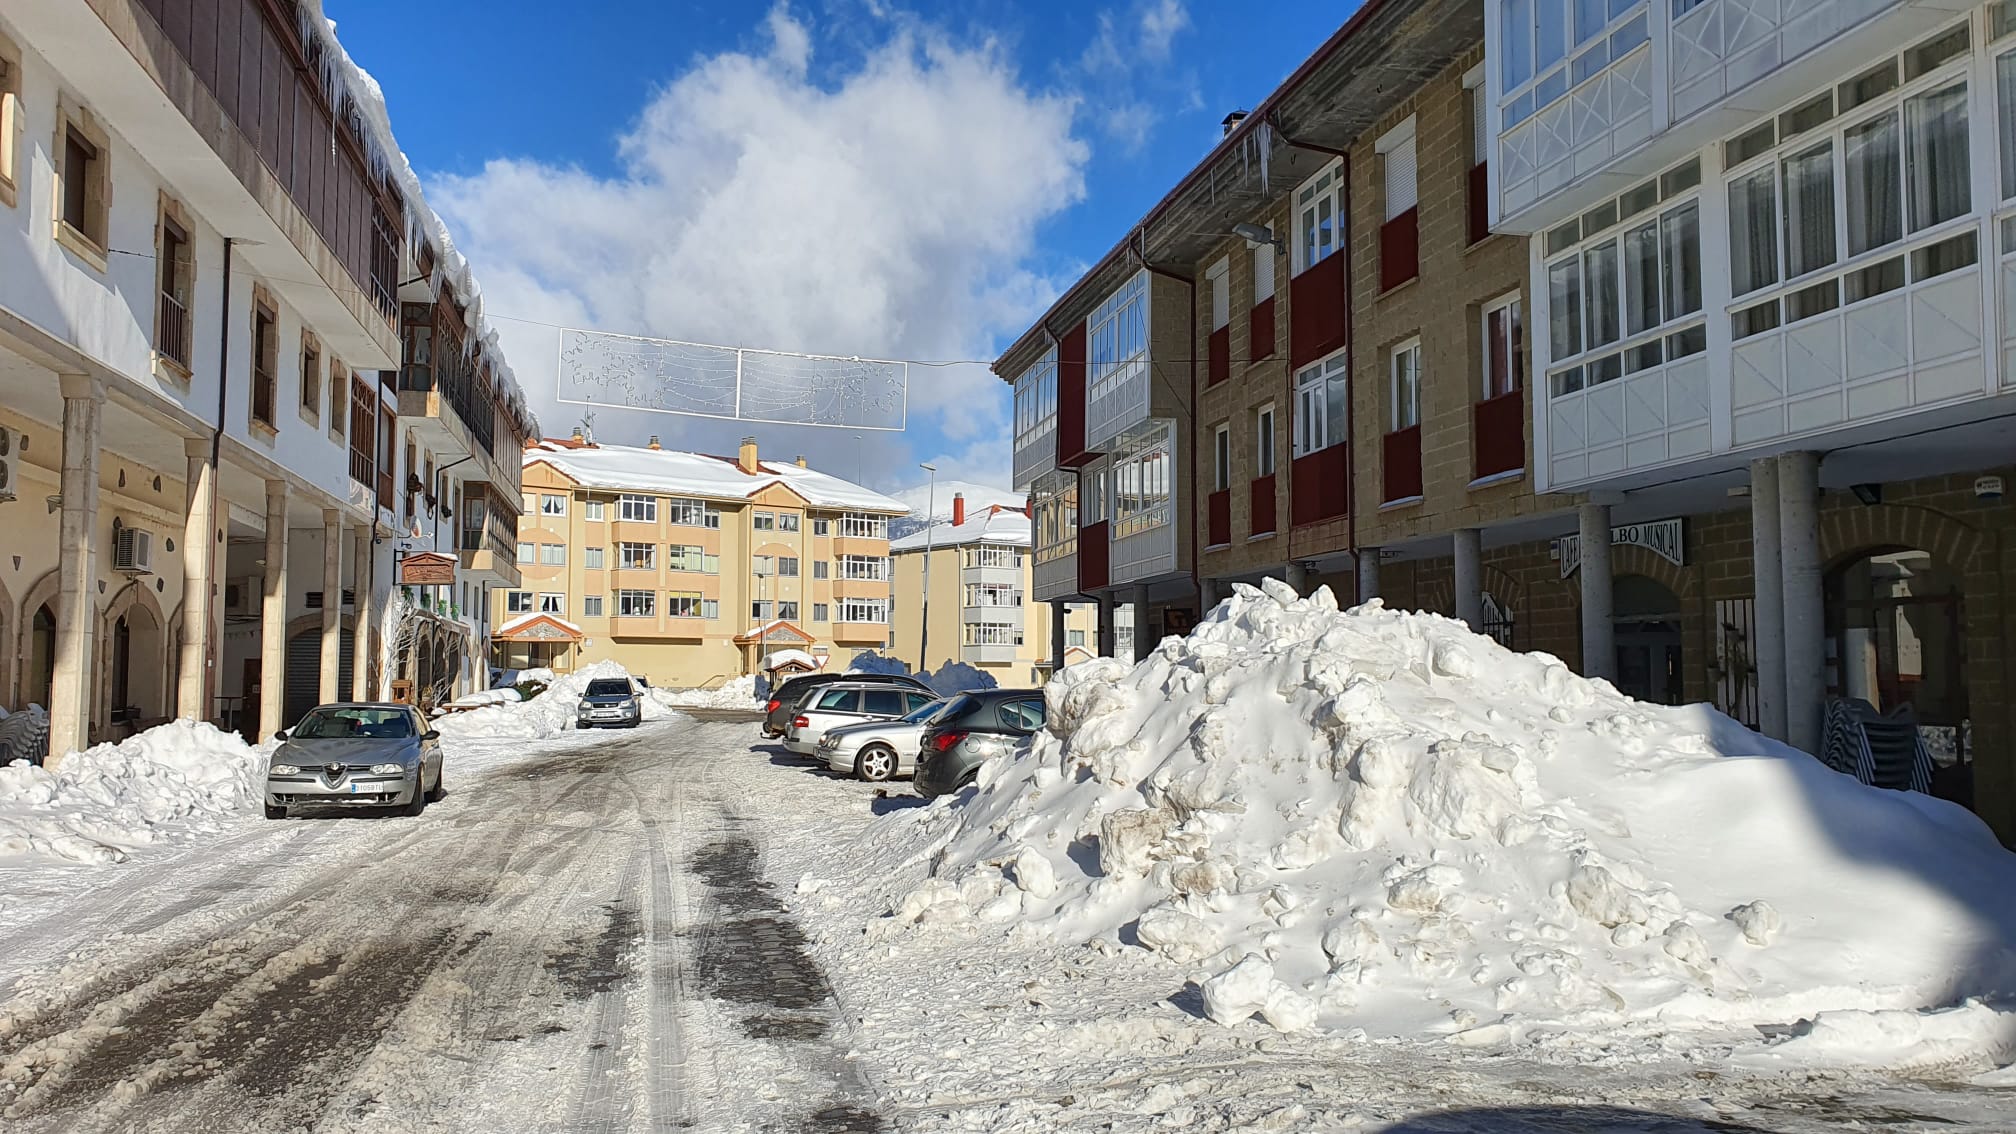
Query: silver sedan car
[878, 750]
[372, 755]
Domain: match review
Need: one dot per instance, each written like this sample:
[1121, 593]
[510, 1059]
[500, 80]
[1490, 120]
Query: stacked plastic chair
[1880, 749]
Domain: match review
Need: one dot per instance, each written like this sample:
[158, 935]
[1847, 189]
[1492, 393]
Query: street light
[930, 530]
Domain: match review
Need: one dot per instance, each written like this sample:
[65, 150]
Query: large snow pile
[1382, 820]
[739, 693]
[958, 677]
[868, 661]
[106, 800]
[550, 713]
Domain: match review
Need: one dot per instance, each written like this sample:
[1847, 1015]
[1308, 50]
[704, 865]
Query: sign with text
[427, 569]
[1663, 538]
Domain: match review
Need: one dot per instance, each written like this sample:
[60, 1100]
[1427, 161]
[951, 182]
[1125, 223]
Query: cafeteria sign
[1660, 537]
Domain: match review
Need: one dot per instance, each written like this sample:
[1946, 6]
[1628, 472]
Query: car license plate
[358, 789]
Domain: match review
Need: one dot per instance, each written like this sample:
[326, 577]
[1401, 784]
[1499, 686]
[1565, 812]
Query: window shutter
[1480, 128]
[1401, 189]
[1263, 273]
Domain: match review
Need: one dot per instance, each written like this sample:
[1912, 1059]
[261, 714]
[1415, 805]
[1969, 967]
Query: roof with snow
[680, 473]
[786, 658]
[777, 629]
[993, 524]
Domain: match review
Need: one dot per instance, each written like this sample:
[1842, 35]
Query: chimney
[653, 443]
[958, 508]
[578, 438]
[747, 458]
[1232, 122]
[801, 460]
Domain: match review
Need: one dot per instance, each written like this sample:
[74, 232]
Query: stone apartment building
[978, 597]
[199, 346]
[689, 568]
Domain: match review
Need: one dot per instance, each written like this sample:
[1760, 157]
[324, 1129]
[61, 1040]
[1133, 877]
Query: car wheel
[439, 789]
[273, 812]
[417, 805]
[875, 764]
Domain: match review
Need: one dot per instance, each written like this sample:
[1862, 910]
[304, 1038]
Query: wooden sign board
[427, 569]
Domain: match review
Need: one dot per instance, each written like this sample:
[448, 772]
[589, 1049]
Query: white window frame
[1092, 501]
[633, 556]
[873, 568]
[871, 611]
[787, 521]
[1218, 278]
[594, 511]
[685, 604]
[1400, 170]
[682, 512]
[591, 606]
[637, 509]
[821, 527]
[1036, 400]
[1116, 338]
[1054, 500]
[991, 555]
[518, 602]
[636, 604]
[528, 551]
[1404, 386]
[1480, 115]
[552, 505]
[591, 559]
[787, 566]
[1144, 479]
[1315, 386]
[864, 525]
[822, 569]
[1488, 379]
[763, 521]
[1221, 458]
[1319, 202]
[551, 602]
[821, 612]
[1527, 82]
[552, 555]
[1266, 441]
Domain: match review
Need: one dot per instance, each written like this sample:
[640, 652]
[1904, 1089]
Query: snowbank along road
[579, 940]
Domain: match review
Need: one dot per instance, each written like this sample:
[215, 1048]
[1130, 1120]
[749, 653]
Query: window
[174, 276]
[83, 186]
[1035, 400]
[1504, 348]
[762, 610]
[990, 634]
[592, 558]
[1263, 442]
[691, 557]
[1624, 284]
[787, 609]
[819, 610]
[1322, 405]
[764, 521]
[821, 569]
[311, 376]
[518, 602]
[993, 594]
[1406, 386]
[859, 526]
[864, 610]
[710, 608]
[1396, 152]
[1143, 472]
[763, 566]
[684, 604]
[991, 555]
[10, 119]
[689, 514]
[525, 552]
[821, 527]
[551, 505]
[639, 509]
[1263, 273]
[1221, 458]
[1319, 229]
[864, 567]
[552, 555]
[637, 556]
[594, 511]
[1092, 496]
[339, 396]
[1537, 38]
[1116, 338]
[787, 521]
[591, 606]
[637, 604]
[1219, 278]
[1055, 501]
[1074, 638]
[787, 566]
[553, 604]
[265, 360]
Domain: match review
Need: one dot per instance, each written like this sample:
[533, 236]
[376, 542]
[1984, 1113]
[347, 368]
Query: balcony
[1261, 513]
[1320, 486]
[989, 655]
[1260, 330]
[1035, 454]
[1055, 577]
[1400, 250]
[1219, 352]
[1219, 507]
[1318, 311]
[860, 633]
[1498, 435]
[1401, 464]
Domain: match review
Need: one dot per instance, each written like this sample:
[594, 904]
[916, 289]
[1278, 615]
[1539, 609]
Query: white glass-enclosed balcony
[1117, 373]
[1054, 571]
[1035, 420]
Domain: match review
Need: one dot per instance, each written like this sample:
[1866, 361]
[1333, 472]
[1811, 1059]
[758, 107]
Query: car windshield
[355, 724]
[609, 687]
[925, 712]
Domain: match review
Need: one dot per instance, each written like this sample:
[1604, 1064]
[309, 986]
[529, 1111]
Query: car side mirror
[281, 735]
[431, 734]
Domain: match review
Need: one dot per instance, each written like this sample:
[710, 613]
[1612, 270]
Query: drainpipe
[1190, 449]
[212, 644]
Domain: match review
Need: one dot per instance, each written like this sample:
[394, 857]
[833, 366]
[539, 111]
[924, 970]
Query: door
[1646, 622]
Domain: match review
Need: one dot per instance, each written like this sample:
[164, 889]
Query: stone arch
[1848, 532]
[147, 661]
[45, 590]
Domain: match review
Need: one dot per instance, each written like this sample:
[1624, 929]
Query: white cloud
[1120, 68]
[887, 211]
[1159, 25]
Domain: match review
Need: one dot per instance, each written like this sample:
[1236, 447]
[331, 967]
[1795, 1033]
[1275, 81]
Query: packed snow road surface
[578, 939]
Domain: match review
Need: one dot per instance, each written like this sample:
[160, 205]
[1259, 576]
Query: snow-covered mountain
[919, 500]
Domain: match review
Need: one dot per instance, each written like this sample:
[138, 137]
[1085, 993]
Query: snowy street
[641, 931]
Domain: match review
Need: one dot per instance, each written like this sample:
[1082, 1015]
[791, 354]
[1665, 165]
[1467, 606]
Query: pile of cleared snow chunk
[739, 693]
[550, 713]
[106, 800]
[1382, 820]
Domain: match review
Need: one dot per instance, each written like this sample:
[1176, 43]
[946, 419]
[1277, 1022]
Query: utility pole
[930, 533]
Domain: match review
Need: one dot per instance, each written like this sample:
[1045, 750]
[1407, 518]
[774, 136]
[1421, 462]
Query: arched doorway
[1646, 621]
[135, 668]
[1894, 639]
[40, 677]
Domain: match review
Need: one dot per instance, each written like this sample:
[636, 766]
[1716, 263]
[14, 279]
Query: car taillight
[801, 722]
[944, 741]
[773, 706]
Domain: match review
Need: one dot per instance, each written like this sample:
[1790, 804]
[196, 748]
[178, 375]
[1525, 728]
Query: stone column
[1805, 613]
[1142, 644]
[1296, 576]
[71, 691]
[1468, 545]
[1105, 625]
[361, 654]
[1207, 596]
[1368, 574]
[1767, 639]
[1599, 629]
[332, 606]
[199, 558]
[1059, 636]
[273, 615]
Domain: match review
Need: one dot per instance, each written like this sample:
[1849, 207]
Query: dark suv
[786, 698]
[972, 728]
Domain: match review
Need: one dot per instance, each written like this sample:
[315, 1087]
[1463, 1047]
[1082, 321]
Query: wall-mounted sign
[1663, 538]
[427, 569]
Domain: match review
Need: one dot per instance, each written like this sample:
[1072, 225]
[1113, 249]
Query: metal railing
[173, 330]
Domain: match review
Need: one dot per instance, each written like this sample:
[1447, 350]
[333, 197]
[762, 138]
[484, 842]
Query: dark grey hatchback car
[974, 727]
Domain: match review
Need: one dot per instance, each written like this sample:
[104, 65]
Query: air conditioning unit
[242, 597]
[133, 551]
[10, 462]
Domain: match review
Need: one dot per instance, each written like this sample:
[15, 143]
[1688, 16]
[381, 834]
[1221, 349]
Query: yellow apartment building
[689, 568]
[980, 610]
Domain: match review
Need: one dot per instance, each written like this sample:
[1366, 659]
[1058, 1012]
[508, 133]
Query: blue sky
[852, 176]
